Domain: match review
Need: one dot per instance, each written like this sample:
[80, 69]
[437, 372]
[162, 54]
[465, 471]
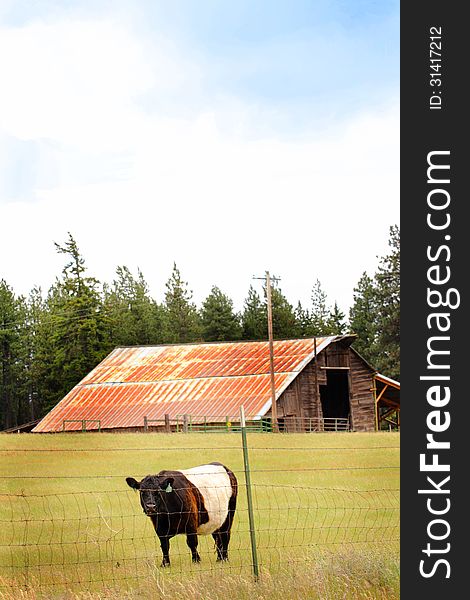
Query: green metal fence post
[249, 498]
[83, 425]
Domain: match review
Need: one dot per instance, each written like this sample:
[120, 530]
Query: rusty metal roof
[212, 379]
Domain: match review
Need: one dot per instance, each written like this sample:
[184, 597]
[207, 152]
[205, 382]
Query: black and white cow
[197, 501]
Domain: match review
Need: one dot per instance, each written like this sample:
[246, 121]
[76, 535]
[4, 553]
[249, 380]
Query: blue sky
[226, 122]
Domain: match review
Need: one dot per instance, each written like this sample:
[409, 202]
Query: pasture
[325, 508]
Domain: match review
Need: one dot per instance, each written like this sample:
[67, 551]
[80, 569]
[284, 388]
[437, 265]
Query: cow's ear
[131, 482]
[167, 485]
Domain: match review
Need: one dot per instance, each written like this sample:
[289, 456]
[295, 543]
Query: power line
[82, 312]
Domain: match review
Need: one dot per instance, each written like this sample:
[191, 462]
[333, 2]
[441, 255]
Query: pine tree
[181, 319]
[303, 324]
[219, 321]
[134, 318]
[78, 336]
[253, 320]
[36, 350]
[363, 318]
[319, 316]
[387, 283]
[284, 321]
[375, 315]
[12, 334]
[336, 324]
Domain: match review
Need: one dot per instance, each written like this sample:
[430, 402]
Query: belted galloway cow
[197, 501]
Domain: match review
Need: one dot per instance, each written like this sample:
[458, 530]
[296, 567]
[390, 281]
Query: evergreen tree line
[49, 342]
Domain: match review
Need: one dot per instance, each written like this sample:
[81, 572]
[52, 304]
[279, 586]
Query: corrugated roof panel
[193, 361]
[199, 379]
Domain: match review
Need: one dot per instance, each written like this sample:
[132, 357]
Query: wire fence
[78, 538]
[88, 529]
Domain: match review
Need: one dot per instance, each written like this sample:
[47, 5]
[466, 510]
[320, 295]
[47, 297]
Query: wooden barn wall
[290, 404]
[362, 398]
[336, 355]
[300, 400]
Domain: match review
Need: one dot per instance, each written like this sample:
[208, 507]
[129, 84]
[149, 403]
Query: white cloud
[78, 81]
[140, 188]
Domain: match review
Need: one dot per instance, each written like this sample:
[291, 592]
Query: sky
[229, 137]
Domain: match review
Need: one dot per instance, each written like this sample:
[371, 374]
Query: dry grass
[343, 575]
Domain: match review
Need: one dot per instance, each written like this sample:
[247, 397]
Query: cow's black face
[151, 496]
[153, 493]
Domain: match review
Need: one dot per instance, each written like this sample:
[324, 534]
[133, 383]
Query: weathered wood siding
[362, 398]
[336, 355]
[300, 399]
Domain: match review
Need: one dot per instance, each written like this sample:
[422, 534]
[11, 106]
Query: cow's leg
[191, 540]
[222, 539]
[224, 532]
[165, 546]
[218, 544]
[225, 539]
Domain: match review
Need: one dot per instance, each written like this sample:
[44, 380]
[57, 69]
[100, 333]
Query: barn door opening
[334, 397]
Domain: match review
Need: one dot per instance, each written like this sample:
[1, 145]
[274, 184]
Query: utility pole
[268, 279]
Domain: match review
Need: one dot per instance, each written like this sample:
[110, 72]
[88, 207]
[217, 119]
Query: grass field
[326, 516]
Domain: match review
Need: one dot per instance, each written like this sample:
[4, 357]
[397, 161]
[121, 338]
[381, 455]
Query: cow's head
[154, 492]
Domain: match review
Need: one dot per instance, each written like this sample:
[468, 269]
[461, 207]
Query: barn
[321, 384]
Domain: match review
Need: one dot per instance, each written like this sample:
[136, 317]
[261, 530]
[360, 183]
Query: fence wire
[102, 537]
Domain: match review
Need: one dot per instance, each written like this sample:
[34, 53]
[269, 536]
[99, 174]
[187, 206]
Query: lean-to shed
[321, 384]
